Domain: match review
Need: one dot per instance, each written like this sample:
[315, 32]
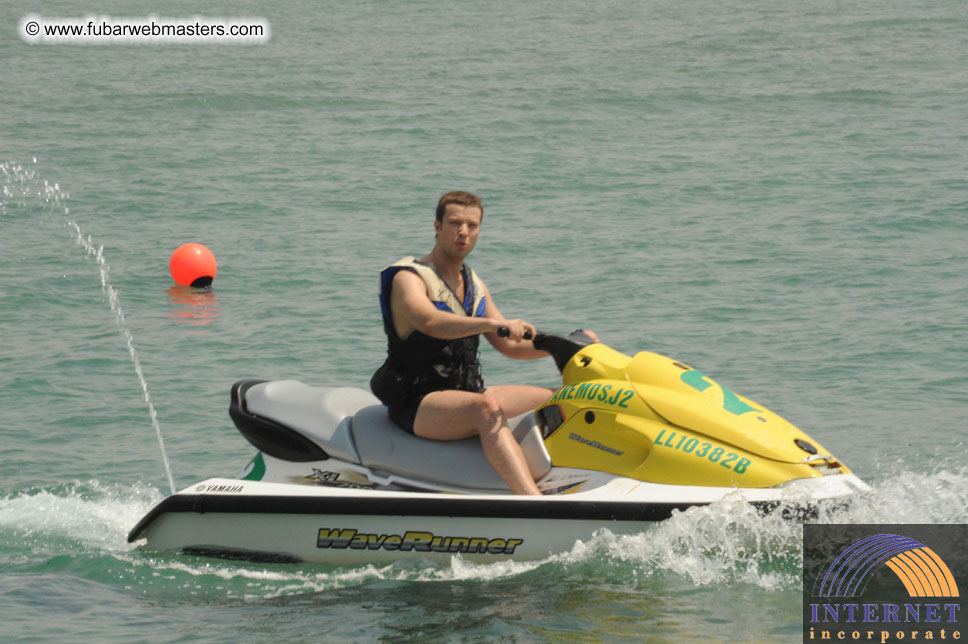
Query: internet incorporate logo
[919, 568]
[862, 584]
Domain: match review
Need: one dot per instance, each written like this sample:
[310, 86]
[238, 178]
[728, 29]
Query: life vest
[437, 290]
[420, 364]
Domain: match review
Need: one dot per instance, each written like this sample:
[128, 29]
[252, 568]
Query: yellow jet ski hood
[685, 397]
[689, 399]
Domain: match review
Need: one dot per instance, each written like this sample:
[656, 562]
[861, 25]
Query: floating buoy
[192, 265]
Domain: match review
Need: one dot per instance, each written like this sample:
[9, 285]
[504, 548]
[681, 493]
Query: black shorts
[403, 399]
[404, 414]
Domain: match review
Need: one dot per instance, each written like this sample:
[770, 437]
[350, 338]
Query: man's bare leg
[452, 415]
[517, 399]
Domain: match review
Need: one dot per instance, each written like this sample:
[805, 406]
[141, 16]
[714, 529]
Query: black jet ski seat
[291, 420]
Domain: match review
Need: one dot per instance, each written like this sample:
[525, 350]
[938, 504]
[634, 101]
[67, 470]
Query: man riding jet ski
[434, 311]
[625, 440]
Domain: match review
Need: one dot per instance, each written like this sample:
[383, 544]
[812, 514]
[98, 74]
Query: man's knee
[489, 412]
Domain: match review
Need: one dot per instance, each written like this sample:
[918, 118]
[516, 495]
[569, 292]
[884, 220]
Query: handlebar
[503, 332]
[561, 347]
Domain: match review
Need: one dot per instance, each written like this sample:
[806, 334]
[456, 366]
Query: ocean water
[776, 193]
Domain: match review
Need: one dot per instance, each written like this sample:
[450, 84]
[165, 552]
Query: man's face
[458, 229]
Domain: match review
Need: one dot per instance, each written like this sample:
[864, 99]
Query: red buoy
[192, 265]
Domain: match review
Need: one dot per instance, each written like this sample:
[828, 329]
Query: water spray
[54, 198]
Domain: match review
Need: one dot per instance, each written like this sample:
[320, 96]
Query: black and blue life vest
[419, 364]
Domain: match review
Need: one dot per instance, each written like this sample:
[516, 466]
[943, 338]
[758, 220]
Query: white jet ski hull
[282, 522]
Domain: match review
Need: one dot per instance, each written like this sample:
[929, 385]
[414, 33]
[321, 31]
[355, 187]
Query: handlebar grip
[503, 332]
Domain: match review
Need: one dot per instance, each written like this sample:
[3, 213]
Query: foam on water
[940, 496]
[90, 516]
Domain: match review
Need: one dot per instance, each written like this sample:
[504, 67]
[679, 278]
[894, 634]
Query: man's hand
[517, 329]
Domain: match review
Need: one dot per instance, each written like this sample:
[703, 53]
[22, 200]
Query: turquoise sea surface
[773, 192]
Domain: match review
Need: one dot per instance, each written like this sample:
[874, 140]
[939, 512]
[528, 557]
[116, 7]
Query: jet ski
[625, 440]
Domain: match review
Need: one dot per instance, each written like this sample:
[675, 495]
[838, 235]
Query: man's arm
[413, 311]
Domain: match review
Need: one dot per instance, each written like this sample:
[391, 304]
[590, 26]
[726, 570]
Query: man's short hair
[460, 198]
